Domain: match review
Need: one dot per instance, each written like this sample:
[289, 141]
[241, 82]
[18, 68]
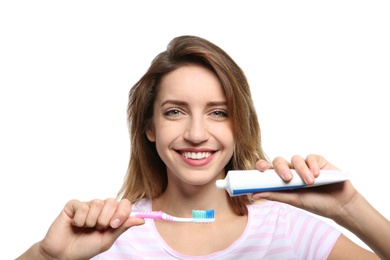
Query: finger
[263, 165]
[313, 161]
[302, 169]
[318, 161]
[106, 214]
[77, 211]
[283, 168]
[95, 207]
[122, 213]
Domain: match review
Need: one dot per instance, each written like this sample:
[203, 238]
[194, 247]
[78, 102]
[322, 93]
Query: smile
[196, 155]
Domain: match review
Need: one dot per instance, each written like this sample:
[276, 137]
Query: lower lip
[198, 162]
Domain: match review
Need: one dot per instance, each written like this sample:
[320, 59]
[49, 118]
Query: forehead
[194, 80]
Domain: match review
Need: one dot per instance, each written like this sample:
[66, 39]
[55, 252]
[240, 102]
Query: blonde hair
[146, 175]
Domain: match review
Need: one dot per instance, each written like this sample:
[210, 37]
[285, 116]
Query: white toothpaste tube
[240, 182]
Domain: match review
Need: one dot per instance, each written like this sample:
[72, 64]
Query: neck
[181, 203]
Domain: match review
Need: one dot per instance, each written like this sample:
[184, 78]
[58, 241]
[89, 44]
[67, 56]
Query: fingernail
[287, 175]
[263, 165]
[309, 179]
[115, 223]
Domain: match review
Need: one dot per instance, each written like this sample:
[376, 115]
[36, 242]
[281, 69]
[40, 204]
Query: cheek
[225, 135]
[165, 137]
[165, 134]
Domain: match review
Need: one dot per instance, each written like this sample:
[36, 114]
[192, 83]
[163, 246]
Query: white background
[319, 71]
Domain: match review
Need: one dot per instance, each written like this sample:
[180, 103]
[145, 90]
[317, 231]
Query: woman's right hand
[84, 229]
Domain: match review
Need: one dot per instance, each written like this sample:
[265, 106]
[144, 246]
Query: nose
[196, 130]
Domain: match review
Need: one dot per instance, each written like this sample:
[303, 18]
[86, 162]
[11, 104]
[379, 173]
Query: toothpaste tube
[240, 182]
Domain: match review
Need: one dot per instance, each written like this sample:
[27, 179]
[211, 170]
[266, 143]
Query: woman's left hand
[327, 200]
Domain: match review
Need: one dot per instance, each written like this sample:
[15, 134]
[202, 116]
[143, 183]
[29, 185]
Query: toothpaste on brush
[240, 182]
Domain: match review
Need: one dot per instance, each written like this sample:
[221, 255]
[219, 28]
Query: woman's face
[191, 128]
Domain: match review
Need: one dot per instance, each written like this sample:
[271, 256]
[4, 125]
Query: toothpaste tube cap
[221, 184]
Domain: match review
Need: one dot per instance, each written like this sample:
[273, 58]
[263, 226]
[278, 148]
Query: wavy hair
[146, 175]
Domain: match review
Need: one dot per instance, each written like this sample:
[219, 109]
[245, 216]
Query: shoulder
[308, 236]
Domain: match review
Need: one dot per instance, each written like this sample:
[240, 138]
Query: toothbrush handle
[151, 215]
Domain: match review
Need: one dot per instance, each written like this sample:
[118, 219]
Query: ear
[150, 134]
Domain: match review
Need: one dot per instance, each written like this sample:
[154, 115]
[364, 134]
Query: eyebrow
[183, 103]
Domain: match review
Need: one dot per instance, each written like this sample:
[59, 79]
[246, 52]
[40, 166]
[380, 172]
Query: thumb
[114, 233]
[128, 223]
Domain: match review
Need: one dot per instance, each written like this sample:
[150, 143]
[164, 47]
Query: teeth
[196, 156]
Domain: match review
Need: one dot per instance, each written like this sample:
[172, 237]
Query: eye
[220, 113]
[172, 112]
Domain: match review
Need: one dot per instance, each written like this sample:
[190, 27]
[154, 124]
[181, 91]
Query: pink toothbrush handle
[152, 215]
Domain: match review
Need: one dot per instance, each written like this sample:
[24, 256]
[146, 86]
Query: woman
[191, 119]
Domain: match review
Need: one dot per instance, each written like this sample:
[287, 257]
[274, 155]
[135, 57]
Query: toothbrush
[198, 216]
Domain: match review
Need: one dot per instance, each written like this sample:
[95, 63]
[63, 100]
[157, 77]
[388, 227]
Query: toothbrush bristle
[203, 214]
